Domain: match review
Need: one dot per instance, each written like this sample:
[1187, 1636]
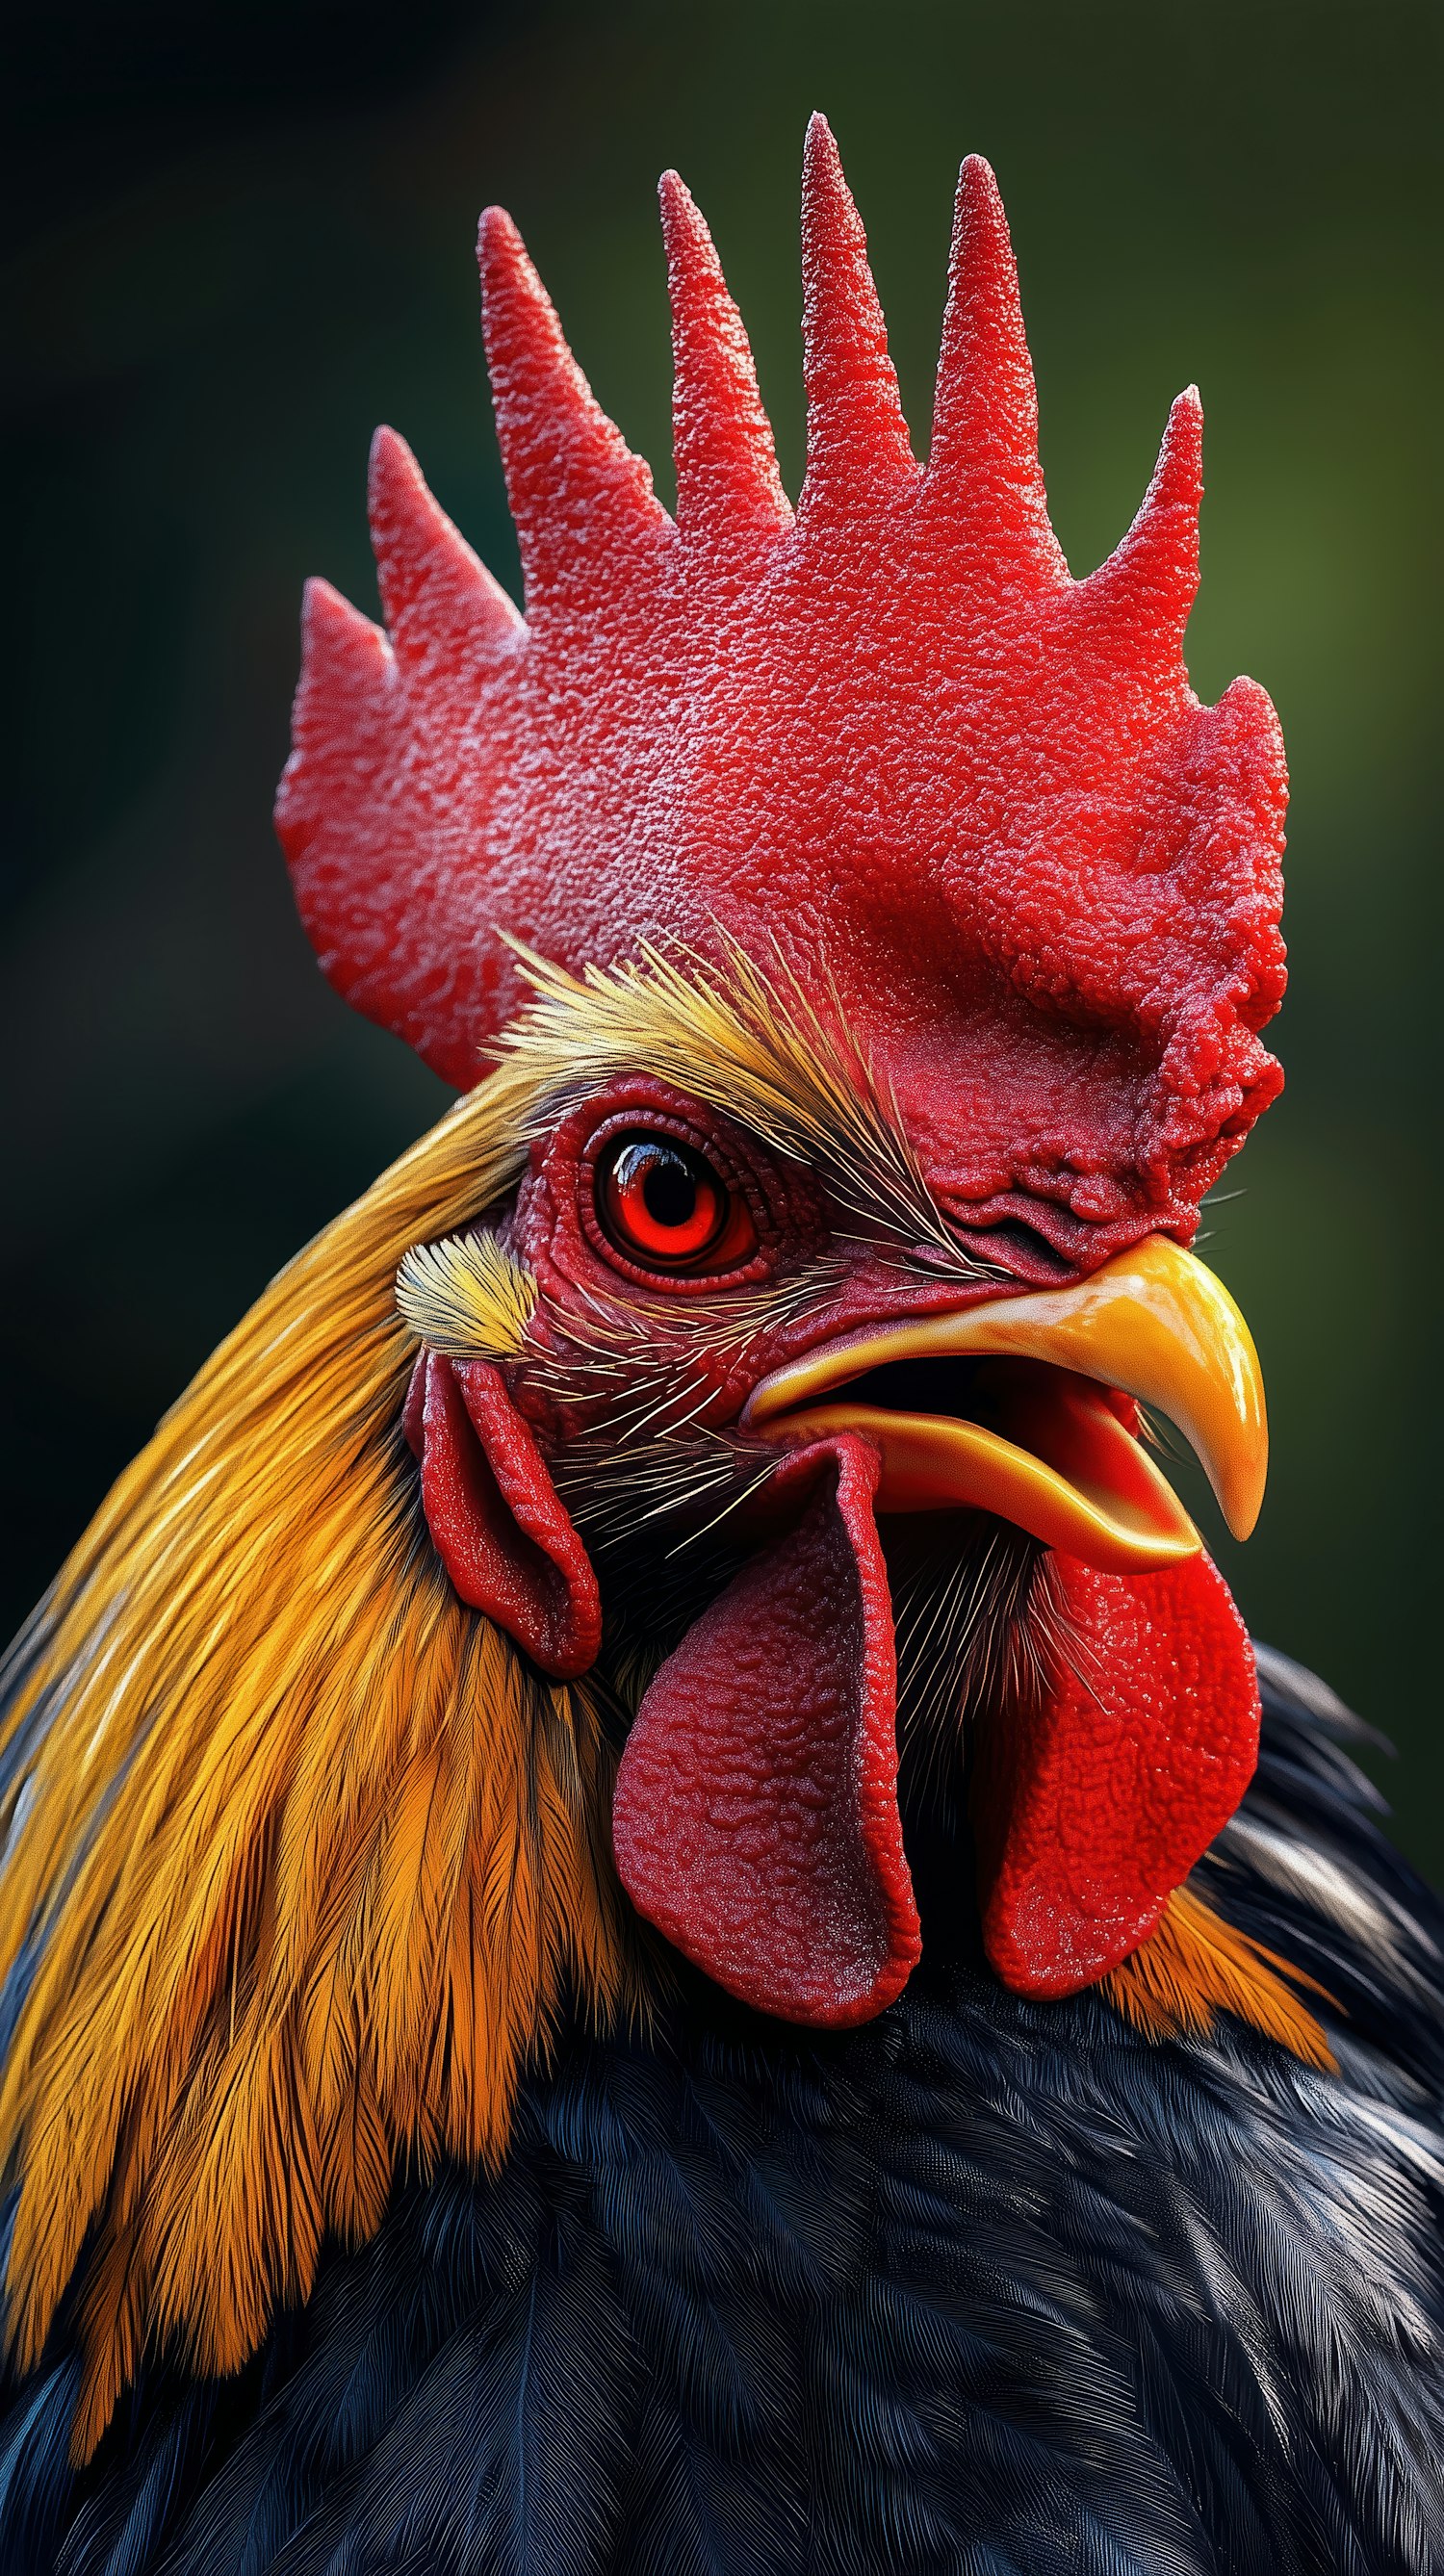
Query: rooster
[644, 1922]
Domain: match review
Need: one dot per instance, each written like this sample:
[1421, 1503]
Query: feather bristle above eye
[466, 1297]
[755, 1045]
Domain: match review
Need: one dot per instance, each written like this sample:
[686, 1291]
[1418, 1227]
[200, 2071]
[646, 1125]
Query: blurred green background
[239, 236]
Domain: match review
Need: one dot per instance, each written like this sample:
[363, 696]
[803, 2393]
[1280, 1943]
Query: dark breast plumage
[986, 2285]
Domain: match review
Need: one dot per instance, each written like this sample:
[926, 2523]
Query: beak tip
[1241, 1502]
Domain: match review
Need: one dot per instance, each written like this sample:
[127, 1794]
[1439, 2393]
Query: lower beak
[1039, 1441]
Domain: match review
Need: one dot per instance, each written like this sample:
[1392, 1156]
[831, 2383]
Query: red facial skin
[756, 1821]
[495, 1517]
[556, 1234]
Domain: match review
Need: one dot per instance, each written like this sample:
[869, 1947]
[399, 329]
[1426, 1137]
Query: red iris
[662, 1203]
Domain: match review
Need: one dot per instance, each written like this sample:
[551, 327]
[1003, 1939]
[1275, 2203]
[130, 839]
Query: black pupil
[669, 1188]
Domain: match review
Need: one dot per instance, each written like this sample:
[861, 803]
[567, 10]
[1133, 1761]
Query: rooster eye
[661, 1203]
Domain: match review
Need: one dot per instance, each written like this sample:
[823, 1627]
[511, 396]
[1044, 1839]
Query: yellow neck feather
[309, 1860]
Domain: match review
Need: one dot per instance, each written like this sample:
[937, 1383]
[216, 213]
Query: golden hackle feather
[308, 1859]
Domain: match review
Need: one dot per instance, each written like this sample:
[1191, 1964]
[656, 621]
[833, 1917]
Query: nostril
[1012, 1244]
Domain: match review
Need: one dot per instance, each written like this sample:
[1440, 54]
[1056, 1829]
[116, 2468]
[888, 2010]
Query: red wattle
[1092, 1802]
[755, 1820]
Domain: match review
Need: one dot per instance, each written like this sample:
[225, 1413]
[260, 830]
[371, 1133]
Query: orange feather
[1196, 1965]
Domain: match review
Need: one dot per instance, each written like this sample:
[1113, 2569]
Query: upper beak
[1049, 1452]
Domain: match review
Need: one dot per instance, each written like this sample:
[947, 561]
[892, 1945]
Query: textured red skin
[499, 1526]
[888, 733]
[1093, 1804]
[755, 1820]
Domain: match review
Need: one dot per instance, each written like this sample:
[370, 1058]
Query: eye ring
[663, 1205]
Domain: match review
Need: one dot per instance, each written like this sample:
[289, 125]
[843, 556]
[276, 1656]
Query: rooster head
[888, 930]
[712, 1469]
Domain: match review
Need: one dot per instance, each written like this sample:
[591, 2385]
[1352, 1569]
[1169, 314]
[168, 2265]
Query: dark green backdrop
[238, 243]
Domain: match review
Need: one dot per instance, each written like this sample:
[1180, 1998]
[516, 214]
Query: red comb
[973, 798]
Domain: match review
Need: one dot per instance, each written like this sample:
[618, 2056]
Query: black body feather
[985, 2289]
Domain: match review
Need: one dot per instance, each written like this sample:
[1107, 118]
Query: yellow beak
[1039, 1443]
